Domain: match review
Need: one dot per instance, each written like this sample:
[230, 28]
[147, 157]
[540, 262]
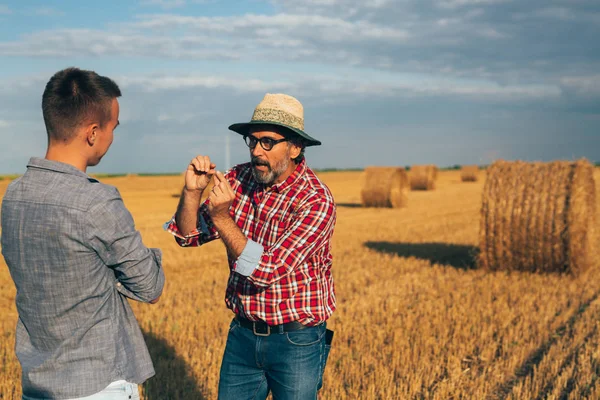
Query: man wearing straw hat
[276, 219]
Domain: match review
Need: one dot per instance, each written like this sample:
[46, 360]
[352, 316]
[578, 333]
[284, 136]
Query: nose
[257, 150]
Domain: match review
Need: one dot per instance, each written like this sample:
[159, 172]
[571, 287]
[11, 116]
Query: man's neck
[67, 155]
[283, 177]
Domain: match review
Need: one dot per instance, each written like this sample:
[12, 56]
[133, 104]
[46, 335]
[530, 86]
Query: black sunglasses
[265, 142]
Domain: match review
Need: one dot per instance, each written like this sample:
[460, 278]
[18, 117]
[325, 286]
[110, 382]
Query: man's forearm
[187, 211]
[231, 234]
[141, 279]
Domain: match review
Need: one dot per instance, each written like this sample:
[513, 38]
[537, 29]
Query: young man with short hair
[74, 255]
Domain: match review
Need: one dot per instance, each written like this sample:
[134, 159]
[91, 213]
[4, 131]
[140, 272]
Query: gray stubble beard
[267, 178]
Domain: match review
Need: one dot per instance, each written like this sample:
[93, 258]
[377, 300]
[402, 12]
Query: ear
[295, 150]
[91, 133]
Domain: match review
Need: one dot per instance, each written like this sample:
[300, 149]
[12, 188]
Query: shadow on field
[528, 367]
[173, 379]
[455, 255]
[349, 205]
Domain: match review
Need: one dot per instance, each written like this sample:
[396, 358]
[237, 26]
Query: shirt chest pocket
[271, 221]
[274, 228]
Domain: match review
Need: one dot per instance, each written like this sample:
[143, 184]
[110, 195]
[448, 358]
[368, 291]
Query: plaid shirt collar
[56, 166]
[290, 181]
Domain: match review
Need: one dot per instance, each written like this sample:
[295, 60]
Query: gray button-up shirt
[74, 255]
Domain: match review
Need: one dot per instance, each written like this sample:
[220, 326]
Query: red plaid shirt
[294, 222]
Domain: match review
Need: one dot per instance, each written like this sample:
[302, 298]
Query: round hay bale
[423, 177]
[469, 173]
[384, 187]
[538, 217]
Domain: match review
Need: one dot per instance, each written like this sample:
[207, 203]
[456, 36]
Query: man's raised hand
[221, 197]
[199, 173]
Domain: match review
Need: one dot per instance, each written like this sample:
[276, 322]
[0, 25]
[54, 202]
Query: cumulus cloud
[588, 86]
[410, 67]
[166, 119]
[174, 82]
[498, 40]
[327, 29]
[47, 12]
[333, 87]
[504, 48]
[167, 4]
[72, 42]
[466, 3]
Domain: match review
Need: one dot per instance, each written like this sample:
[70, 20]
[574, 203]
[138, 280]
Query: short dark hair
[73, 96]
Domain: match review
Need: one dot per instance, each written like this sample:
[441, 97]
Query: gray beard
[268, 177]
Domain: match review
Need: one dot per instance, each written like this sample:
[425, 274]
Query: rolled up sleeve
[249, 259]
[205, 230]
[114, 237]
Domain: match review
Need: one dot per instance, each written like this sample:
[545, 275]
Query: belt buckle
[260, 334]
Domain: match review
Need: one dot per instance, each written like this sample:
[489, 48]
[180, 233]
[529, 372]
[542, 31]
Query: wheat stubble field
[416, 319]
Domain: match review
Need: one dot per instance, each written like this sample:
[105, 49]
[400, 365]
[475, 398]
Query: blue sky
[382, 82]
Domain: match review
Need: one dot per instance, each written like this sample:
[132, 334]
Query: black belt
[261, 328]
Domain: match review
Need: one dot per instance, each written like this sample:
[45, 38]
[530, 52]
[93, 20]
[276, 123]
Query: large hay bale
[384, 187]
[423, 177]
[469, 173]
[538, 217]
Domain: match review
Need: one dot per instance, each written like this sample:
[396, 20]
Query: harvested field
[416, 318]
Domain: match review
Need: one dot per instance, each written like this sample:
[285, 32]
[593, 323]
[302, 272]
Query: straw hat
[280, 110]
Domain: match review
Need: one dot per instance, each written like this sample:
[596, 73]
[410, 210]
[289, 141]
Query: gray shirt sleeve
[249, 259]
[119, 245]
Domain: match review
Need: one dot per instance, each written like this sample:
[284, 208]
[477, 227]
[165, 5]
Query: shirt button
[119, 284]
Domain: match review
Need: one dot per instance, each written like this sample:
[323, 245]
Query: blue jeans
[289, 364]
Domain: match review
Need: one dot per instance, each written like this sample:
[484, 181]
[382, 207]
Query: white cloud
[166, 4]
[342, 7]
[158, 83]
[430, 87]
[582, 85]
[335, 87]
[562, 14]
[70, 42]
[47, 12]
[489, 40]
[467, 3]
[194, 110]
[557, 12]
[327, 87]
[327, 29]
[283, 37]
[491, 33]
[381, 66]
[179, 118]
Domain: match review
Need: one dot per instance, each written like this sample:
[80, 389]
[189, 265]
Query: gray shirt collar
[56, 166]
